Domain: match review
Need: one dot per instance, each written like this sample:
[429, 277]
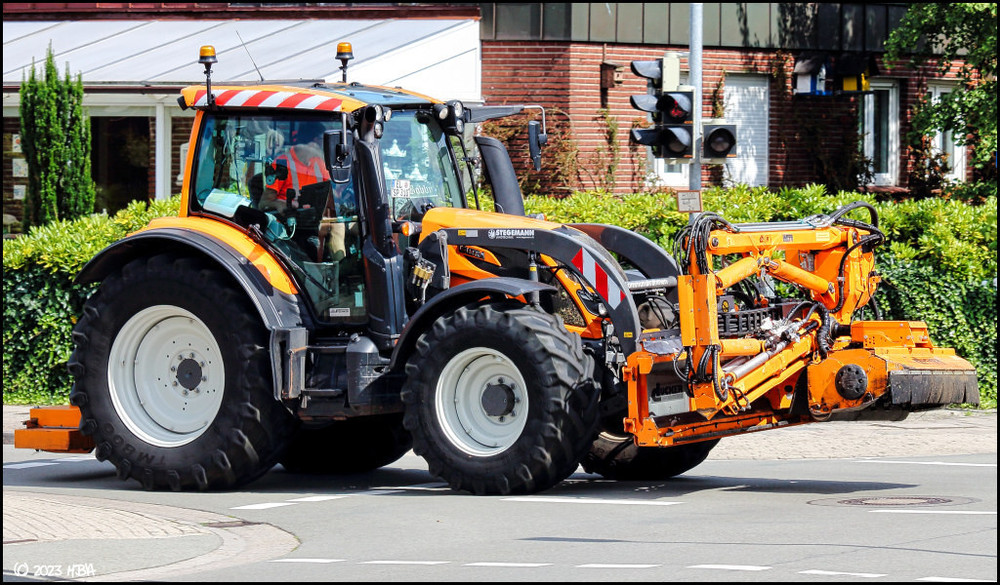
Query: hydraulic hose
[823, 334]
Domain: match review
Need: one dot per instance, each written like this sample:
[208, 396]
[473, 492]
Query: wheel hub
[498, 399]
[481, 399]
[189, 373]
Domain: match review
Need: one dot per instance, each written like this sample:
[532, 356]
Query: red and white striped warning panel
[259, 98]
[599, 279]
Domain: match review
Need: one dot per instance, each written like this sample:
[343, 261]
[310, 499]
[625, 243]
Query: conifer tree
[55, 138]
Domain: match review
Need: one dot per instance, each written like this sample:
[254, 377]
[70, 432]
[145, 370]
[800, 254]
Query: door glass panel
[275, 164]
[880, 131]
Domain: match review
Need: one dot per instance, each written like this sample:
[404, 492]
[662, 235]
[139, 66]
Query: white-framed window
[747, 99]
[947, 143]
[879, 129]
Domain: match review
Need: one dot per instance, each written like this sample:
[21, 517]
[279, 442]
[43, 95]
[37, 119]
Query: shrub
[41, 302]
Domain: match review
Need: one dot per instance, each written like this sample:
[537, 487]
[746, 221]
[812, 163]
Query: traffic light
[672, 135]
[718, 142]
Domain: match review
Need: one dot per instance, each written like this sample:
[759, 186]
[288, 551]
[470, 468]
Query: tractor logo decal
[595, 275]
[509, 234]
[251, 98]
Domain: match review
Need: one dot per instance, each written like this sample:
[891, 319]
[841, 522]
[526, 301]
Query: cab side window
[276, 164]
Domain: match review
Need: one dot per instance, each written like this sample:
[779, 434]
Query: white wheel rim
[465, 381]
[166, 376]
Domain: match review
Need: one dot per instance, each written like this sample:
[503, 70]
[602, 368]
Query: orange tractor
[333, 293]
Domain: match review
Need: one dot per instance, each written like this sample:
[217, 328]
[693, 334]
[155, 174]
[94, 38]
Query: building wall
[551, 54]
[810, 137]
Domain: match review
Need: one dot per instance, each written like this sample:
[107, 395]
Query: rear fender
[279, 309]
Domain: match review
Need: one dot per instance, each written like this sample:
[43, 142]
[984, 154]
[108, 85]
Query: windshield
[417, 164]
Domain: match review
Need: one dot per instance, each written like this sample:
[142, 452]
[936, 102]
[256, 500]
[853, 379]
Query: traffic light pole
[694, 67]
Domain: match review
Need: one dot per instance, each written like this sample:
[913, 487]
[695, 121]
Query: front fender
[578, 253]
[497, 288]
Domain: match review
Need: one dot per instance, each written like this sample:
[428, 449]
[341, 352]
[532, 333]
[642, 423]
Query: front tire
[499, 400]
[173, 380]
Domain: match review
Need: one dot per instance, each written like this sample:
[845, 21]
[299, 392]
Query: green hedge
[41, 303]
[940, 267]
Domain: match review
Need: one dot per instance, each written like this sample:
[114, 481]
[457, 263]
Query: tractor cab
[282, 162]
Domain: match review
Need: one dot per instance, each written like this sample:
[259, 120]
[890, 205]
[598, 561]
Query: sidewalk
[922, 434]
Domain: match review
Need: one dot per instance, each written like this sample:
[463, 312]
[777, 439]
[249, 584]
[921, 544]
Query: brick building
[554, 54]
[550, 54]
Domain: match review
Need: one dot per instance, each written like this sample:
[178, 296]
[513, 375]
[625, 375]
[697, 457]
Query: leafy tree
[947, 33]
[55, 137]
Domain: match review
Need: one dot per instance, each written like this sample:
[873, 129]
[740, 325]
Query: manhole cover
[893, 501]
[896, 501]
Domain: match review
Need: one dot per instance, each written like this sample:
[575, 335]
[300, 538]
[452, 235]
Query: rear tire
[618, 457]
[173, 379]
[354, 445]
[499, 400]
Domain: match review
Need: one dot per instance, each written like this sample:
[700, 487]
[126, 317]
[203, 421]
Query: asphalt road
[909, 500]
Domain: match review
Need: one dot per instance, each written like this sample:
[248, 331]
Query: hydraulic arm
[745, 360]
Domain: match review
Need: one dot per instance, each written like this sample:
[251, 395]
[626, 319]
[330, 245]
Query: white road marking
[390, 562]
[80, 457]
[557, 500]
[839, 573]
[945, 463]
[319, 498]
[731, 567]
[960, 512]
[427, 487]
[30, 464]
[509, 565]
[614, 566]
[45, 463]
[264, 506]
[314, 561]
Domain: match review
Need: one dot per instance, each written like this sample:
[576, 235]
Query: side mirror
[337, 148]
[536, 138]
